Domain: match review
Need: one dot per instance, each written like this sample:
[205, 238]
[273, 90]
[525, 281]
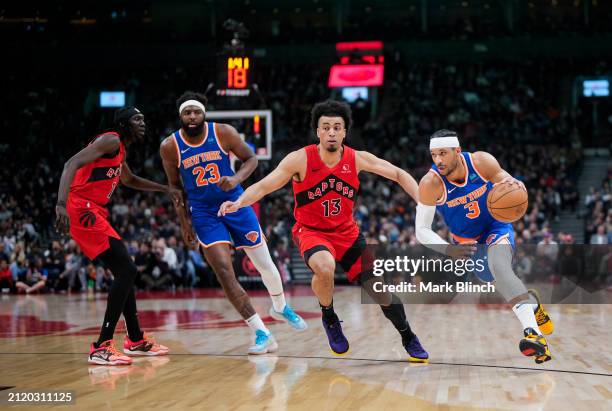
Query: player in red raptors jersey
[86, 186]
[325, 185]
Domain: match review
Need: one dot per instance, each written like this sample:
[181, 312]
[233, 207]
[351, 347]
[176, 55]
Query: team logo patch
[346, 168]
[491, 239]
[472, 177]
[252, 236]
[87, 219]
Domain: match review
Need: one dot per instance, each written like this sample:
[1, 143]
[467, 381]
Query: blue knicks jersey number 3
[464, 206]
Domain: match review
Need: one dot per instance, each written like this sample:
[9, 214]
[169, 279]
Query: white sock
[255, 323]
[279, 303]
[524, 312]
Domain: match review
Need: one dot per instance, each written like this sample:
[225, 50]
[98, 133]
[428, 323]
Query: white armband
[424, 234]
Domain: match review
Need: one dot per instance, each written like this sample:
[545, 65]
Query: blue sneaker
[416, 352]
[264, 343]
[289, 316]
[337, 341]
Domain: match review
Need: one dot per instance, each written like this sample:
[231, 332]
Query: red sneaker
[146, 346]
[107, 354]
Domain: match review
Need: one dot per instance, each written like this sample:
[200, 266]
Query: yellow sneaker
[544, 322]
[535, 345]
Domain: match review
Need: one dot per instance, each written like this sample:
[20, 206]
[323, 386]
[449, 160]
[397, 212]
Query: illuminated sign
[112, 98]
[237, 72]
[352, 94]
[596, 88]
[369, 75]
[364, 59]
[362, 64]
[359, 45]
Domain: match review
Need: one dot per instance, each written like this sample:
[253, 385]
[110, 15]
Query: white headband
[443, 142]
[191, 103]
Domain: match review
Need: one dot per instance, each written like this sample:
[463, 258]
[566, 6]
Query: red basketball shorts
[89, 226]
[347, 246]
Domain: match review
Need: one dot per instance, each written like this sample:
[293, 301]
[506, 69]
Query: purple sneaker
[416, 352]
[337, 341]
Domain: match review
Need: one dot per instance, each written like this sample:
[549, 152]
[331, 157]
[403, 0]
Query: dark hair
[331, 108]
[120, 121]
[191, 95]
[444, 133]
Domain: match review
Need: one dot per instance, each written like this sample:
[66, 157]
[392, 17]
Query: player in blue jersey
[457, 186]
[196, 158]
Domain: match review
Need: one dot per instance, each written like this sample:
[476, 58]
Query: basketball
[507, 202]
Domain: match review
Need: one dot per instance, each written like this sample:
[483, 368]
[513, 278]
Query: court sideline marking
[344, 359]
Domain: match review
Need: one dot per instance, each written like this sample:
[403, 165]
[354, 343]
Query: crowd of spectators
[598, 202]
[510, 110]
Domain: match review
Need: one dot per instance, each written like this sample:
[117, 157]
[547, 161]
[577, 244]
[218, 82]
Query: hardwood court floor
[475, 361]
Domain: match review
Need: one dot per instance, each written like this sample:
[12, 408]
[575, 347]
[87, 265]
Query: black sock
[396, 314]
[329, 315]
[407, 334]
[130, 314]
[117, 259]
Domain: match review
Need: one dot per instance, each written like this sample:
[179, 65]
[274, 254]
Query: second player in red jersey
[325, 184]
[91, 189]
[86, 186]
[96, 181]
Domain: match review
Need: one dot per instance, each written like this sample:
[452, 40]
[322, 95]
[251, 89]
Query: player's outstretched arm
[105, 144]
[286, 169]
[489, 168]
[167, 151]
[369, 162]
[231, 141]
[431, 190]
[131, 180]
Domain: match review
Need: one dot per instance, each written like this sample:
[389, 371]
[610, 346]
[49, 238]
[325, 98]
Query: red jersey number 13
[335, 207]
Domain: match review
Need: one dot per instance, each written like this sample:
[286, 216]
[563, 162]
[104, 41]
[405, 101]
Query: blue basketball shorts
[494, 234]
[240, 228]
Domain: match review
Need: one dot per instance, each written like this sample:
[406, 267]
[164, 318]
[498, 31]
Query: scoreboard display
[237, 72]
[361, 64]
[235, 76]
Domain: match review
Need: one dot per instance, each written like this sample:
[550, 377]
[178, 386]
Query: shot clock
[235, 72]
